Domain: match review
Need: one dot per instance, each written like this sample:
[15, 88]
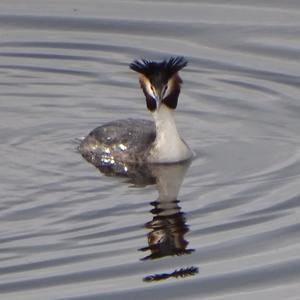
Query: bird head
[160, 81]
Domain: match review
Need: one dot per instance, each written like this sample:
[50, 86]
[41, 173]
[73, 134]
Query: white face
[148, 86]
[150, 89]
[169, 87]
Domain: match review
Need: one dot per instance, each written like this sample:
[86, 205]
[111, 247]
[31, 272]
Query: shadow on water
[167, 229]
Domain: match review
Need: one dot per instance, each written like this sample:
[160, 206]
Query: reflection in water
[168, 225]
[138, 175]
[168, 228]
[181, 273]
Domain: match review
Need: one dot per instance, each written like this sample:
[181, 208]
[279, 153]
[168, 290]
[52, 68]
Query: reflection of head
[181, 273]
[168, 228]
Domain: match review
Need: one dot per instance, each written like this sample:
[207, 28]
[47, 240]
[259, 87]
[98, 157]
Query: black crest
[159, 72]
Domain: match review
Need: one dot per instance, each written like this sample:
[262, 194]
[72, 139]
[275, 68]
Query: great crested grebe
[136, 141]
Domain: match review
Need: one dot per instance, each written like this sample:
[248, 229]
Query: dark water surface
[69, 232]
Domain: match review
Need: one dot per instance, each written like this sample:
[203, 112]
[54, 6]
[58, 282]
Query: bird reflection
[181, 273]
[167, 229]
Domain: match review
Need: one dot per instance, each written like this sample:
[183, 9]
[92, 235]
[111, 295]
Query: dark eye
[151, 103]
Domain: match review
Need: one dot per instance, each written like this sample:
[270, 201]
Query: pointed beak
[158, 97]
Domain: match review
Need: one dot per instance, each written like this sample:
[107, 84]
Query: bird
[119, 143]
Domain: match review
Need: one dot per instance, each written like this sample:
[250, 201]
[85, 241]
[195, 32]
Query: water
[69, 232]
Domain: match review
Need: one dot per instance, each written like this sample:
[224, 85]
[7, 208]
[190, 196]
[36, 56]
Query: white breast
[168, 146]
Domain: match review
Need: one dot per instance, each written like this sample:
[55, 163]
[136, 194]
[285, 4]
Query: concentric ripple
[225, 227]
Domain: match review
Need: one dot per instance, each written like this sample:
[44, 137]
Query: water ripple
[69, 232]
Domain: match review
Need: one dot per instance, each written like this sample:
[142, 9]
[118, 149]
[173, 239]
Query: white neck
[168, 146]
